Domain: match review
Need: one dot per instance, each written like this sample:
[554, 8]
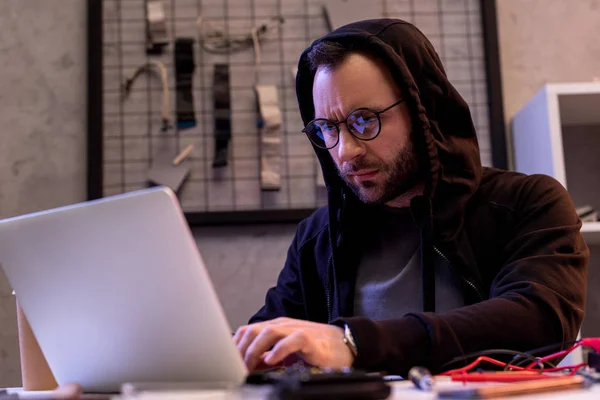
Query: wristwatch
[349, 340]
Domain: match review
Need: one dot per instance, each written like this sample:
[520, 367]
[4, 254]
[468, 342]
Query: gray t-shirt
[388, 283]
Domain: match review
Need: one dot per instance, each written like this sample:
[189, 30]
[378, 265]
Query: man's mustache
[349, 168]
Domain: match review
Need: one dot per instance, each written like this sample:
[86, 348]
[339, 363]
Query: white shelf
[579, 109]
[578, 102]
[557, 133]
[538, 127]
[591, 232]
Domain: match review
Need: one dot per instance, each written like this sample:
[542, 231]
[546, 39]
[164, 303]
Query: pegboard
[122, 141]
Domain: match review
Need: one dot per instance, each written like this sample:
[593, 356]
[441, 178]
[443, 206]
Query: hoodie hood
[443, 128]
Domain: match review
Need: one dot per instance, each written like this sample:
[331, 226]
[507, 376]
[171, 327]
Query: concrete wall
[42, 128]
[545, 41]
[42, 125]
[43, 163]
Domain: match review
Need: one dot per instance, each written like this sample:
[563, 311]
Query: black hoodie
[512, 239]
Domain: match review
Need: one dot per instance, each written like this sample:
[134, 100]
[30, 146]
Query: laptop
[116, 291]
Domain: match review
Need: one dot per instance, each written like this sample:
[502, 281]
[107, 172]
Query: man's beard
[402, 175]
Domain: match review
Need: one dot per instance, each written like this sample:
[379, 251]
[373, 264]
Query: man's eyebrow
[371, 106]
[335, 121]
[377, 106]
[325, 117]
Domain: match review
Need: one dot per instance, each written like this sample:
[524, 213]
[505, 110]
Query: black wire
[552, 346]
[494, 352]
[539, 363]
[512, 363]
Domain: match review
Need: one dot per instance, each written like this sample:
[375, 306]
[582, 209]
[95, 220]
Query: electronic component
[422, 378]
[594, 360]
[306, 382]
[156, 27]
[590, 374]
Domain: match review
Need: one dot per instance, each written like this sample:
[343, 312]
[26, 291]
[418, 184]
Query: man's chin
[369, 194]
[374, 194]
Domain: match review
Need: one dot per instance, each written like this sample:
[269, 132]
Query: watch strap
[184, 73]
[222, 114]
[349, 340]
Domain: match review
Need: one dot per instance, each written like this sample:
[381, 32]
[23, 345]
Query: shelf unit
[557, 133]
[591, 233]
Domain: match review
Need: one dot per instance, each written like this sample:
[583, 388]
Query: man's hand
[271, 342]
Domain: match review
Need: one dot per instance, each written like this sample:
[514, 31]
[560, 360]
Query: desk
[400, 390]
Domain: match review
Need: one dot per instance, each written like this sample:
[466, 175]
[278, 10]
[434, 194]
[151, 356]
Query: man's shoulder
[509, 188]
[312, 226]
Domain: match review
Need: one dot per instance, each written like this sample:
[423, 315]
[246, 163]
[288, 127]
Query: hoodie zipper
[465, 280]
[331, 273]
[328, 289]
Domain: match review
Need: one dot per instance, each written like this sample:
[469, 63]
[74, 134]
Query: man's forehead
[352, 85]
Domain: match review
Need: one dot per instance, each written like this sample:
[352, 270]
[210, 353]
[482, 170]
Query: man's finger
[239, 333]
[247, 338]
[294, 343]
[266, 339]
[263, 366]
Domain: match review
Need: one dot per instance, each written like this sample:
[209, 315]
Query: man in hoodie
[421, 254]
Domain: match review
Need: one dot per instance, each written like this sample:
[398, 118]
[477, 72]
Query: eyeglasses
[362, 123]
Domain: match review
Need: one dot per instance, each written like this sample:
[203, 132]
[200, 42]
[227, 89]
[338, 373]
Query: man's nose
[349, 147]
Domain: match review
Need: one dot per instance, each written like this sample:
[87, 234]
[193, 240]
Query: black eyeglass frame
[345, 121]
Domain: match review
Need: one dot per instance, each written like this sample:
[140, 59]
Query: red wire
[465, 370]
[554, 355]
[574, 368]
[476, 362]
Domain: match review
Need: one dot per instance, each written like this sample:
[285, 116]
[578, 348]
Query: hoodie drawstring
[422, 214]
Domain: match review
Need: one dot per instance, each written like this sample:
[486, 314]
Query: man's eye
[367, 120]
[362, 118]
[327, 129]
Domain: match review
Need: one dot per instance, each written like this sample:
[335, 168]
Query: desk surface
[400, 390]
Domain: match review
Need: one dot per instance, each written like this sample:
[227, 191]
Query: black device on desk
[304, 382]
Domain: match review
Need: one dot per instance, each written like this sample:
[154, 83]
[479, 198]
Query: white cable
[256, 43]
[216, 41]
[166, 106]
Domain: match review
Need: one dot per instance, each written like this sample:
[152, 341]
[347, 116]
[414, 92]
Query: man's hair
[328, 55]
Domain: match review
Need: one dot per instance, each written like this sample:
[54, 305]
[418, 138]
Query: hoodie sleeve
[285, 298]
[536, 299]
